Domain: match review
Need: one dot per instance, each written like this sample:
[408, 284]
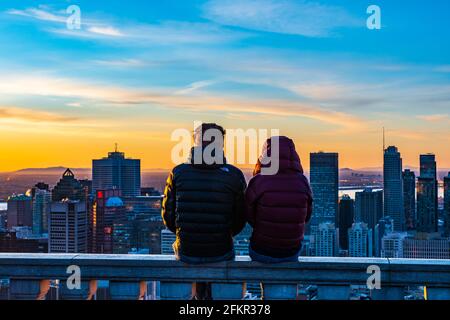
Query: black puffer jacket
[204, 205]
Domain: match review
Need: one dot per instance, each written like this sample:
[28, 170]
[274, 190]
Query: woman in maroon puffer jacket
[278, 206]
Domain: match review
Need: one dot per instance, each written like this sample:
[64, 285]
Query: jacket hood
[289, 159]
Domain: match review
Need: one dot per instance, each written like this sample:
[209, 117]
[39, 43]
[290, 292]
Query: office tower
[427, 219]
[167, 240]
[68, 227]
[409, 198]
[383, 227]
[431, 248]
[326, 240]
[324, 178]
[447, 205]
[392, 245]
[42, 200]
[360, 240]
[68, 188]
[393, 187]
[19, 212]
[345, 221]
[108, 210]
[428, 167]
[117, 172]
[369, 207]
[427, 194]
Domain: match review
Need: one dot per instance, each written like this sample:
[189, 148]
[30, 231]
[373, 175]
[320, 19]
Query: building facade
[427, 214]
[326, 240]
[369, 207]
[393, 187]
[409, 198]
[345, 219]
[68, 227]
[360, 240]
[117, 172]
[42, 201]
[324, 179]
[447, 205]
[19, 212]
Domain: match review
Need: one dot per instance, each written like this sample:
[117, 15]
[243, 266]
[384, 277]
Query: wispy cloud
[29, 115]
[306, 18]
[142, 34]
[434, 117]
[77, 89]
[195, 86]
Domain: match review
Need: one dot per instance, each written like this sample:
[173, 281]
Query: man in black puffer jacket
[204, 203]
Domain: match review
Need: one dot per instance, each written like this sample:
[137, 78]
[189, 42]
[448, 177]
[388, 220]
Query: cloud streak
[305, 18]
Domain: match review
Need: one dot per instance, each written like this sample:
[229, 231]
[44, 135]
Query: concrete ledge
[309, 270]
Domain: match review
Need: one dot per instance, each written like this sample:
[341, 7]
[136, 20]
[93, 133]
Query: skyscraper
[108, 211]
[68, 188]
[409, 198]
[117, 172]
[68, 227]
[42, 200]
[427, 195]
[20, 212]
[326, 240]
[324, 178]
[427, 219]
[360, 240]
[447, 205]
[428, 166]
[369, 207]
[345, 219]
[393, 187]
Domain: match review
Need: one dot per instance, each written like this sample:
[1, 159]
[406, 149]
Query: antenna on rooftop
[116, 147]
[384, 140]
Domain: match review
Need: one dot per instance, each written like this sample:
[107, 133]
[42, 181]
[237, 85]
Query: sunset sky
[137, 70]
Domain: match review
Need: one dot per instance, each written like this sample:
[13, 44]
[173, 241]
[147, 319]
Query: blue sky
[137, 70]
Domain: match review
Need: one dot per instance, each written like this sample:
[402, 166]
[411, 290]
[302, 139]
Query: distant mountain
[49, 171]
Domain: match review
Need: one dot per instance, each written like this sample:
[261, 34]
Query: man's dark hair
[204, 127]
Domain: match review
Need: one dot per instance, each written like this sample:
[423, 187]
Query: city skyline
[322, 78]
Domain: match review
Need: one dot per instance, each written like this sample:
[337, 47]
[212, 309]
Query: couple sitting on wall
[207, 203]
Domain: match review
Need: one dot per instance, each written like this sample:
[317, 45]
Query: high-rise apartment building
[42, 200]
[360, 240]
[326, 242]
[324, 179]
[427, 195]
[345, 219]
[427, 218]
[68, 227]
[447, 205]
[369, 207]
[117, 172]
[409, 198]
[19, 212]
[393, 187]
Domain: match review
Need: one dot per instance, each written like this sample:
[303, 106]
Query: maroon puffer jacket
[279, 206]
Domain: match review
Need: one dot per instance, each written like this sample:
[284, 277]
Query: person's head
[208, 133]
[278, 155]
